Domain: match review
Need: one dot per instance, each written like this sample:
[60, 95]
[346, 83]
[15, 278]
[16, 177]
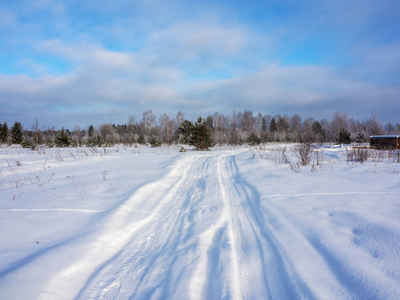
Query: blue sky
[70, 63]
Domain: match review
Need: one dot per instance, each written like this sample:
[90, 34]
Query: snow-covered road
[213, 225]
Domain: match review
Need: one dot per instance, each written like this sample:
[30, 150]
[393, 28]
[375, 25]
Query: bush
[360, 138]
[50, 143]
[95, 142]
[358, 154]
[141, 139]
[154, 142]
[62, 140]
[304, 152]
[253, 140]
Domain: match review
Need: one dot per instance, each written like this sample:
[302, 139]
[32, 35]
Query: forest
[234, 129]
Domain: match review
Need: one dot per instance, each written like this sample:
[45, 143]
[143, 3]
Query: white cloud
[171, 61]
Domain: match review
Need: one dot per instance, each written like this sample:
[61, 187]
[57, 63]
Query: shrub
[253, 140]
[358, 154]
[62, 140]
[95, 142]
[360, 138]
[141, 139]
[304, 152]
[154, 142]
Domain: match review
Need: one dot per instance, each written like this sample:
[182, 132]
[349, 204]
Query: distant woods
[233, 129]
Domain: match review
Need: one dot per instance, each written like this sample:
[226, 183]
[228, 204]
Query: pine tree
[360, 138]
[62, 140]
[91, 131]
[273, 126]
[264, 125]
[3, 133]
[253, 140]
[16, 133]
[201, 137]
[344, 137]
[141, 139]
[318, 130]
[154, 142]
[186, 130]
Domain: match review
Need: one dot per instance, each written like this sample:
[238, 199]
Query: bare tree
[109, 134]
[77, 132]
[233, 126]
[180, 117]
[373, 126]
[148, 119]
[167, 128]
[295, 127]
[35, 128]
[338, 124]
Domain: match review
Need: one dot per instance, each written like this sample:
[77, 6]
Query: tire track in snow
[206, 282]
[235, 277]
[118, 231]
[148, 264]
[269, 264]
[262, 267]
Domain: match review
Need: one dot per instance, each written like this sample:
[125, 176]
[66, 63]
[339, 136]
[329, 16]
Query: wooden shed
[385, 142]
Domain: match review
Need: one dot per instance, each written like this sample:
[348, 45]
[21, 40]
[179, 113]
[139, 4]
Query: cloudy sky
[70, 63]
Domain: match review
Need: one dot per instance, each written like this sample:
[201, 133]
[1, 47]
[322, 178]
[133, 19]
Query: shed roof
[384, 136]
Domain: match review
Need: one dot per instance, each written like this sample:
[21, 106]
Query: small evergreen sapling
[62, 140]
[253, 140]
[141, 139]
[360, 138]
[154, 142]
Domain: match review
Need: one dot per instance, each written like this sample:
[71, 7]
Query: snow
[384, 136]
[233, 223]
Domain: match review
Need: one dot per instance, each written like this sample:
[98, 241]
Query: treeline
[234, 129]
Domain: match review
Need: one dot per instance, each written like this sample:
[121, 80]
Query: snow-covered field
[143, 223]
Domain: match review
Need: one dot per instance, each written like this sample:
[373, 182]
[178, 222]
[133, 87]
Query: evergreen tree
[210, 122]
[154, 142]
[140, 139]
[360, 138]
[62, 140]
[264, 125]
[186, 130]
[91, 131]
[282, 124]
[273, 126]
[3, 133]
[253, 140]
[201, 137]
[16, 133]
[318, 130]
[344, 137]
[95, 142]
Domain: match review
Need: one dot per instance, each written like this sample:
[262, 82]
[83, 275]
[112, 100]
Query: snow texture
[141, 223]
